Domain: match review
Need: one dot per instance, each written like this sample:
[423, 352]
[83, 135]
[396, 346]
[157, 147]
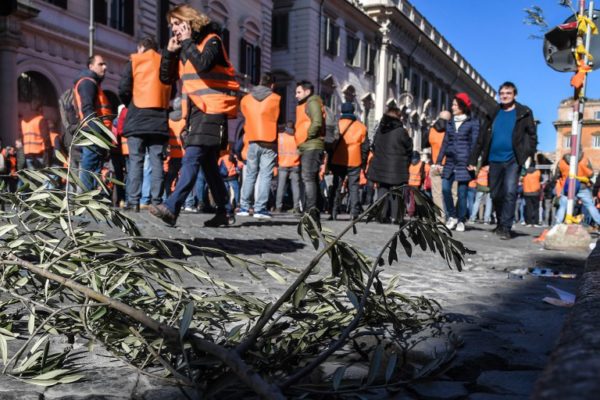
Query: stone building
[590, 132]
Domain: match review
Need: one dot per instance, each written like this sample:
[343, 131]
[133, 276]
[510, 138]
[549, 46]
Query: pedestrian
[349, 156]
[36, 138]
[175, 149]
[230, 168]
[532, 188]
[91, 102]
[146, 125]
[260, 108]
[434, 139]
[483, 195]
[288, 161]
[310, 133]
[461, 135]
[392, 151]
[209, 82]
[507, 139]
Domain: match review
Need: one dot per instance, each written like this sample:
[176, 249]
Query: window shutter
[243, 61]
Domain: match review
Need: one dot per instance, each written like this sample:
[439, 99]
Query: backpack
[69, 116]
[332, 129]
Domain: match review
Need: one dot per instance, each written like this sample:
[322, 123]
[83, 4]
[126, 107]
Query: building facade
[590, 132]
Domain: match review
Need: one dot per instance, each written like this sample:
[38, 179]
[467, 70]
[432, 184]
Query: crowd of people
[175, 153]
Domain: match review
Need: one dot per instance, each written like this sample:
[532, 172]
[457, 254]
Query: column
[382, 73]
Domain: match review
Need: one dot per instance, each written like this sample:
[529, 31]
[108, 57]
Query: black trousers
[532, 209]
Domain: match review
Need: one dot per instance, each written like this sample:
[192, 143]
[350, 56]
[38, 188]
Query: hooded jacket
[392, 151]
[314, 110]
[524, 137]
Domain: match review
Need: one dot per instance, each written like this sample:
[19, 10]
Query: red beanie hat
[464, 98]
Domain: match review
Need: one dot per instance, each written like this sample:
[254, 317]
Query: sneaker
[470, 222]
[486, 222]
[505, 234]
[538, 226]
[220, 220]
[132, 208]
[460, 227]
[161, 211]
[243, 212]
[522, 222]
[451, 223]
[529, 225]
[278, 211]
[190, 209]
[262, 215]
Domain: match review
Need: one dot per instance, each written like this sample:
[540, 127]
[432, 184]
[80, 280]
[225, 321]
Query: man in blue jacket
[505, 142]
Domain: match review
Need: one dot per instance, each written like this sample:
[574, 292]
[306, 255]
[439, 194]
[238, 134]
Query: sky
[492, 37]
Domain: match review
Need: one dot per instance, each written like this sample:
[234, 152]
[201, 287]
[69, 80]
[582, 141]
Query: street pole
[92, 29]
[577, 123]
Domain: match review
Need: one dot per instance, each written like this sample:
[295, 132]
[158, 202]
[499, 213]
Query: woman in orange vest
[212, 92]
[483, 194]
[229, 168]
[532, 188]
[349, 156]
[289, 167]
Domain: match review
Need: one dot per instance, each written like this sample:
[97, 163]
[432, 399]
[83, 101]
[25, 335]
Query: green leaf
[353, 298]
[338, 375]
[7, 228]
[375, 364]
[275, 275]
[51, 374]
[31, 322]
[186, 319]
[299, 294]
[3, 349]
[60, 156]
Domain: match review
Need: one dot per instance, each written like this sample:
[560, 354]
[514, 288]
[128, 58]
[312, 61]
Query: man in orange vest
[349, 156]
[261, 110]
[310, 133]
[288, 166]
[532, 188]
[434, 139]
[92, 102]
[146, 127]
[176, 127]
[36, 138]
[209, 82]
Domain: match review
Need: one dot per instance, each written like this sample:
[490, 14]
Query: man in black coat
[505, 142]
[392, 151]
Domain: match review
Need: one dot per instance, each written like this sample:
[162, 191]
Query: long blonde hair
[185, 12]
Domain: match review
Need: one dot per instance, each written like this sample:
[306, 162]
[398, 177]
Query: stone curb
[573, 371]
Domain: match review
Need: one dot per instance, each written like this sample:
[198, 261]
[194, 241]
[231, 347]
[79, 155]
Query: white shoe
[460, 227]
[451, 223]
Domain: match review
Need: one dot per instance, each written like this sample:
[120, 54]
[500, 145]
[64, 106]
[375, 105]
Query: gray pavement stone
[20, 395]
[440, 390]
[510, 382]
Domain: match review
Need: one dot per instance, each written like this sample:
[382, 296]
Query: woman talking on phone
[196, 55]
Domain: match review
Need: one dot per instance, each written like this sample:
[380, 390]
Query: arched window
[35, 87]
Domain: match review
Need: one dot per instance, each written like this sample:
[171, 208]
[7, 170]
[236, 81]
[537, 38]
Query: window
[352, 51]
[279, 32]
[282, 92]
[369, 54]
[59, 3]
[566, 143]
[596, 141]
[424, 90]
[597, 115]
[163, 25]
[250, 61]
[332, 36]
[117, 14]
[416, 86]
[435, 100]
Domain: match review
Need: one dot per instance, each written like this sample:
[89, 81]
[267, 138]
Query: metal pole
[92, 29]
[576, 126]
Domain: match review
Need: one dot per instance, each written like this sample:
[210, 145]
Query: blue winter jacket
[456, 147]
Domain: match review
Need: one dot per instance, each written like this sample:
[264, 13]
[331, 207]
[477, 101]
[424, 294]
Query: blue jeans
[92, 158]
[585, 195]
[197, 157]
[154, 147]
[233, 185]
[146, 181]
[504, 181]
[259, 172]
[294, 174]
[198, 196]
[471, 194]
[487, 213]
[449, 201]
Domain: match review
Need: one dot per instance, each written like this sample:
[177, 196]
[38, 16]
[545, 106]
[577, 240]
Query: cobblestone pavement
[506, 329]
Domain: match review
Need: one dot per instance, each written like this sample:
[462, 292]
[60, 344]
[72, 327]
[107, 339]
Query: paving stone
[20, 395]
[510, 382]
[440, 390]
[109, 383]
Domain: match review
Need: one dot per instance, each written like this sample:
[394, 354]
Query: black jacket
[88, 92]
[392, 151]
[524, 137]
[141, 121]
[202, 129]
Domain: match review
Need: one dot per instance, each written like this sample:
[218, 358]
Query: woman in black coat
[461, 136]
[392, 150]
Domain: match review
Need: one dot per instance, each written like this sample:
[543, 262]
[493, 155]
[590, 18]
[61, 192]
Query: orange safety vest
[33, 141]
[531, 182]
[303, 123]
[347, 152]
[148, 90]
[53, 136]
[482, 176]
[435, 140]
[583, 168]
[261, 117]
[287, 151]
[414, 174]
[473, 183]
[102, 105]
[214, 91]
[175, 143]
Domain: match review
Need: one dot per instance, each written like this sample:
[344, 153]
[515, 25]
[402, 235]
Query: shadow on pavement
[236, 246]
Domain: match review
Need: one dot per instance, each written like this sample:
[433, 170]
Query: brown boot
[161, 211]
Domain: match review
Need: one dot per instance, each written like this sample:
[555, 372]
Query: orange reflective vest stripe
[148, 90]
[287, 151]
[261, 117]
[415, 174]
[124, 146]
[483, 176]
[473, 183]
[102, 105]
[303, 123]
[531, 182]
[175, 143]
[435, 140]
[33, 141]
[214, 91]
[583, 168]
[347, 152]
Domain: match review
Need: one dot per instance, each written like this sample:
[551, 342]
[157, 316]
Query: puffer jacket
[392, 151]
[457, 147]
